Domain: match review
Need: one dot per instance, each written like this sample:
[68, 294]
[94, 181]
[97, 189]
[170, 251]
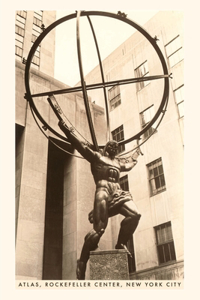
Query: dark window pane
[126, 186]
[118, 135]
[124, 183]
[156, 176]
[22, 13]
[159, 236]
[165, 244]
[172, 251]
[167, 253]
[37, 22]
[157, 182]
[114, 97]
[160, 169]
[161, 254]
[168, 232]
[18, 51]
[155, 172]
[121, 149]
[142, 71]
[151, 173]
[162, 180]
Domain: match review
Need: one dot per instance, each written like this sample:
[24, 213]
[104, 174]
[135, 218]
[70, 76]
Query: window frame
[156, 178]
[179, 102]
[20, 23]
[36, 31]
[22, 13]
[117, 131]
[38, 14]
[174, 53]
[116, 100]
[19, 30]
[166, 247]
[151, 129]
[139, 73]
[123, 182]
[18, 51]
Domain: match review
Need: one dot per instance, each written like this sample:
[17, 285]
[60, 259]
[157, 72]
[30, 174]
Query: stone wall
[31, 178]
[173, 271]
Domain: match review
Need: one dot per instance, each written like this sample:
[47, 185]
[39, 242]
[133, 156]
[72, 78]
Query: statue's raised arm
[80, 146]
[128, 164]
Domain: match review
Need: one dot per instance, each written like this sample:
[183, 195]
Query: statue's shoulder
[98, 155]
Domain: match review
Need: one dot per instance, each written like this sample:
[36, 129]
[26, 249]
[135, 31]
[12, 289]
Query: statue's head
[111, 148]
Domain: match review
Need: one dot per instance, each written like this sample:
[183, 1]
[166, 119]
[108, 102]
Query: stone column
[109, 265]
[70, 219]
[32, 196]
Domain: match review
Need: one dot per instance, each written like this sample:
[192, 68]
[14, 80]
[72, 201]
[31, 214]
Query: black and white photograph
[99, 150]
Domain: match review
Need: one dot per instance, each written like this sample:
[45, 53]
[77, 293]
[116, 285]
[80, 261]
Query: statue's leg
[128, 224]
[100, 217]
[90, 244]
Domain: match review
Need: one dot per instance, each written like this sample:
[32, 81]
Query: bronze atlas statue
[109, 199]
[106, 165]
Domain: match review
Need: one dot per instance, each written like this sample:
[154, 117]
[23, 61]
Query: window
[179, 97]
[118, 135]
[156, 177]
[38, 14]
[145, 117]
[142, 71]
[19, 32]
[165, 243]
[18, 50]
[33, 38]
[20, 21]
[36, 31]
[123, 181]
[114, 97]
[22, 13]
[37, 22]
[174, 51]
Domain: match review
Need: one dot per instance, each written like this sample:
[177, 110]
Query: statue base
[109, 265]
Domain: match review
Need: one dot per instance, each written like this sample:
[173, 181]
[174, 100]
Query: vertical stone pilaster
[31, 212]
[70, 219]
[19, 132]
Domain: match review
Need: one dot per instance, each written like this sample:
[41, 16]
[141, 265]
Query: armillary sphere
[101, 85]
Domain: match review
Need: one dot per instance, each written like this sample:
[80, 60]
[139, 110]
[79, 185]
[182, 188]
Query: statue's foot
[122, 246]
[80, 270]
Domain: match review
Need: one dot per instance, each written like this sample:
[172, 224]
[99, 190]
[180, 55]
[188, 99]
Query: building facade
[157, 181]
[55, 190]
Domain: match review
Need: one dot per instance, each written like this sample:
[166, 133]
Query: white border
[7, 147]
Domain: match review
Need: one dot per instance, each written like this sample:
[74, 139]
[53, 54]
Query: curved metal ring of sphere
[153, 42]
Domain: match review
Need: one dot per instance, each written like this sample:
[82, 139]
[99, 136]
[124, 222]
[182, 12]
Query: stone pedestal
[109, 265]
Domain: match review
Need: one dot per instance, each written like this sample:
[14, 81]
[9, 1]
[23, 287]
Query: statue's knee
[130, 221]
[93, 237]
[135, 218]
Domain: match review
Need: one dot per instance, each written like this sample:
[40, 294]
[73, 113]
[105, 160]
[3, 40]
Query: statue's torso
[105, 168]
